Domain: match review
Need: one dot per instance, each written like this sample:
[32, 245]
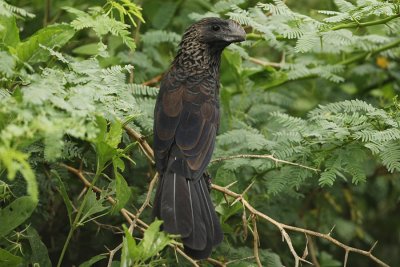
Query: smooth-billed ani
[186, 119]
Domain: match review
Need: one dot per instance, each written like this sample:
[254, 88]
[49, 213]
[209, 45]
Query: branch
[129, 217]
[265, 63]
[256, 241]
[371, 53]
[147, 200]
[364, 24]
[271, 157]
[147, 150]
[283, 227]
[153, 80]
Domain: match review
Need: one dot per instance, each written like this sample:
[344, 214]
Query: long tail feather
[185, 207]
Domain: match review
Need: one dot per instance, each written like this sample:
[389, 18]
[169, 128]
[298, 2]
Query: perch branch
[283, 227]
[130, 217]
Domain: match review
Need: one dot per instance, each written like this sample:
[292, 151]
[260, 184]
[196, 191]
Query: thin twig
[130, 217]
[112, 253]
[283, 227]
[271, 157]
[147, 150]
[265, 63]
[357, 24]
[153, 80]
[147, 200]
[189, 259]
[237, 260]
[216, 262]
[256, 241]
[313, 252]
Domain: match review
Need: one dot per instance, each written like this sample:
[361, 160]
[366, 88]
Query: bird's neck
[199, 58]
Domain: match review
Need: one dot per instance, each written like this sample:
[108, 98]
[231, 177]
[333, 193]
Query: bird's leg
[207, 178]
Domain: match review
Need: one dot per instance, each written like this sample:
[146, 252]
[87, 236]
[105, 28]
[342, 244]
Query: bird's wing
[186, 122]
[195, 134]
[167, 114]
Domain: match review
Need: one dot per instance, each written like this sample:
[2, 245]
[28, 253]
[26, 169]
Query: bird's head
[218, 32]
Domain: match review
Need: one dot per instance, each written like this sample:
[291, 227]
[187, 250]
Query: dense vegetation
[309, 136]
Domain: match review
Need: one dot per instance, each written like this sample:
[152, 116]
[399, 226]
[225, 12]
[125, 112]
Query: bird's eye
[215, 28]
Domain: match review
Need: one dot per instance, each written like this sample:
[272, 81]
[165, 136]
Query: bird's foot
[207, 178]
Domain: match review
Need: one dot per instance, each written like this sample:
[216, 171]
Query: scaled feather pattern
[186, 120]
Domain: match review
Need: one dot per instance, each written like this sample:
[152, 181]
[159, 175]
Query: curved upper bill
[237, 33]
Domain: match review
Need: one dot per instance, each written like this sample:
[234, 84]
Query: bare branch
[256, 241]
[142, 226]
[283, 227]
[265, 63]
[130, 217]
[313, 252]
[271, 157]
[216, 262]
[147, 200]
[153, 80]
[346, 256]
[147, 150]
[112, 253]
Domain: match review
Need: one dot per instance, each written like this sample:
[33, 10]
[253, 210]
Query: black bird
[186, 120]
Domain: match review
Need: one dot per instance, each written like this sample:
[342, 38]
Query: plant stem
[75, 224]
[364, 24]
[374, 52]
[71, 231]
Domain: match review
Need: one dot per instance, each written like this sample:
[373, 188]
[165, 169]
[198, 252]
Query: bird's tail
[185, 207]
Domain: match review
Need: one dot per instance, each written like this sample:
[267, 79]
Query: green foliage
[30, 51]
[39, 250]
[102, 25]
[309, 118]
[15, 214]
[125, 8]
[152, 243]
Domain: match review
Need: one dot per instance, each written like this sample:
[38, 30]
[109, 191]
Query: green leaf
[123, 192]
[9, 34]
[234, 59]
[64, 194]
[53, 145]
[152, 243]
[154, 240]
[227, 210]
[115, 134]
[93, 206]
[7, 64]
[40, 254]
[130, 251]
[107, 142]
[93, 260]
[101, 25]
[164, 14]
[88, 49]
[15, 214]
[9, 260]
[15, 161]
[52, 36]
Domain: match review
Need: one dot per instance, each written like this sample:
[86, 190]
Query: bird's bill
[236, 34]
